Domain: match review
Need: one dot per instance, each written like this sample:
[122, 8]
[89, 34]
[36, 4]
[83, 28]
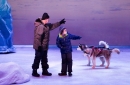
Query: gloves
[79, 37]
[40, 48]
[62, 21]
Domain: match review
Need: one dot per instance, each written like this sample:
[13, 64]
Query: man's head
[45, 18]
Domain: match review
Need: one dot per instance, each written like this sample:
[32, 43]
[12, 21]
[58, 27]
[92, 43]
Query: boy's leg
[36, 62]
[63, 65]
[69, 63]
[44, 63]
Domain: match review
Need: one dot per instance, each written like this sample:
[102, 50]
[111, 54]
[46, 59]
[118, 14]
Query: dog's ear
[80, 44]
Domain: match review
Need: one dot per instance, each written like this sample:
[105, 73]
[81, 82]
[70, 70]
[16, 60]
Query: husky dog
[98, 52]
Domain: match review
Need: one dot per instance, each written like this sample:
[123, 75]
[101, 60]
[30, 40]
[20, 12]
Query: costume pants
[40, 56]
[66, 62]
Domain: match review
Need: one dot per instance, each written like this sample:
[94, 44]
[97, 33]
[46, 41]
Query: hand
[62, 21]
[40, 48]
[79, 37]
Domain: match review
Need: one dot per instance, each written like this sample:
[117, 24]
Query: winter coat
[64, 43]
[42, 34]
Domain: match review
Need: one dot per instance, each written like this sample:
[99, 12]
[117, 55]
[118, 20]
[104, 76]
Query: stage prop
[6, 28]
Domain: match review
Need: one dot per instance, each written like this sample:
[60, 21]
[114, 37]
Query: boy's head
[45, 18]
[63, 30]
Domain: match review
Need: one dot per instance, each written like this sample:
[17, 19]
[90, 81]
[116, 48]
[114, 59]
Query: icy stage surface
[117, 74]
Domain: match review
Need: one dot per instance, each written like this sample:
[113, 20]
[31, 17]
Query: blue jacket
[65, 43]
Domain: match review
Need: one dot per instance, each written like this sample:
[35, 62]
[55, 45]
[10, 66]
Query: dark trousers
[66, 62]
[40, 56]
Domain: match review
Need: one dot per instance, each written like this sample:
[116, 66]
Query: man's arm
[53, 26]
[57, 24]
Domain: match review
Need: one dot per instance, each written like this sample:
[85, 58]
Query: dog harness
[96, 50]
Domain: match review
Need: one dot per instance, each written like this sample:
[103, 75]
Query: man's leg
[35, 64]
[44, 63]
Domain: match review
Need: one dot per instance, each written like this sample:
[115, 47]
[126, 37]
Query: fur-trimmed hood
[60, 36]
[37, 22]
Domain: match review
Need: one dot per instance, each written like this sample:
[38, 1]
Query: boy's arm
[73, 37]
[58, 42]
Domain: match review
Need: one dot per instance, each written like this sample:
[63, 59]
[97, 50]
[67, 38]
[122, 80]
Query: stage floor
[117, 74]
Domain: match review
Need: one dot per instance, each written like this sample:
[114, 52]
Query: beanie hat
[45, 16]
[61, 29]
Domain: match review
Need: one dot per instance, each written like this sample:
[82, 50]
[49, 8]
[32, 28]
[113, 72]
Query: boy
[64, 43]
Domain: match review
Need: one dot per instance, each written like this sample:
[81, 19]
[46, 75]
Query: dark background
[94, 20]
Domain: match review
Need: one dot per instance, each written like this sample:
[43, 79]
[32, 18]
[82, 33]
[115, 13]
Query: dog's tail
[116, 50]
[104, 43]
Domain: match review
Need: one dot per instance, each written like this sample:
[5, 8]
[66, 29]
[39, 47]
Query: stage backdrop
[94, 20]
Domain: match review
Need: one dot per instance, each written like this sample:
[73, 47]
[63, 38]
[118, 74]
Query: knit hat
[45, 16]
[61, 29]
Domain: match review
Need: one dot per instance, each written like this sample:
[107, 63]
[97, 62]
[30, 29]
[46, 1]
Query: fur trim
[104, 43]
[60, 36]
[85, 54]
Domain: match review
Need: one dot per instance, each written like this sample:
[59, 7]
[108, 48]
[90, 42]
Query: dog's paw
[106, 67]
[93, 67]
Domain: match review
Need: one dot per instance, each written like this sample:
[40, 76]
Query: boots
[34, 73]
[46, 73]
[62, 74]
[69, 74]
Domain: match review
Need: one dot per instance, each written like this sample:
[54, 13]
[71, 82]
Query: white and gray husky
[100, 51]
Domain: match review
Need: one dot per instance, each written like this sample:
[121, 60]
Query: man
[41, 43]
